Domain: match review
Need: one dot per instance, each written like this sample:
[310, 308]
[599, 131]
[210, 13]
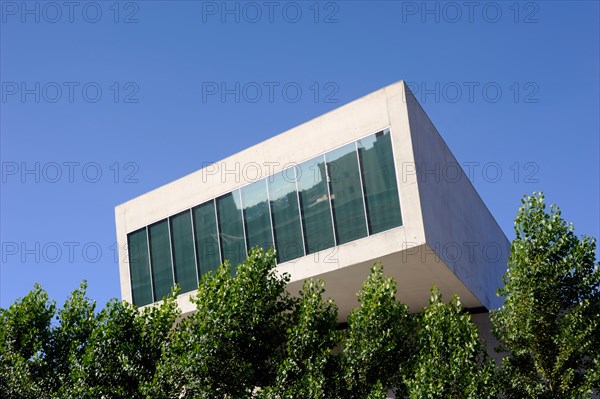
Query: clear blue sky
[512, 87]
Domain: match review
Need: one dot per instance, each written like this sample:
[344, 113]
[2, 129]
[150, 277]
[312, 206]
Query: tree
[309, 369]
[379, 340]
[250, 338]
[235, 339]
[550, 320]
[68, 338]
[451, 362]
[124, 349]
[24, 333]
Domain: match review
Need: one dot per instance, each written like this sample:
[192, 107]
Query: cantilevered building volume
[371, 181]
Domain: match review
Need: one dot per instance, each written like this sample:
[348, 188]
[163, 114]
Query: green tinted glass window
[160, 258]
[207, 240]
[286, 215]
[257, 220]
[139, 267]
[346, 194]
[184, 258]
[314, 205]
[379, 181]
[231, 228]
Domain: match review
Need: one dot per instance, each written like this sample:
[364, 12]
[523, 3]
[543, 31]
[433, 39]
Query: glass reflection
[314, 205]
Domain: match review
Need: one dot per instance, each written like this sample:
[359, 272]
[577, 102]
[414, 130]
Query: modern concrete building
[370, 181]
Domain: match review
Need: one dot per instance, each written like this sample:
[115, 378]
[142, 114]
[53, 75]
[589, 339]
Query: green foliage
[121, 354]
[379, 340]
[111, 354]
[68, 341]
[308, 369]
[451, 362]
[233, 342]
[24, 333]
[249, 339]
[550, 320]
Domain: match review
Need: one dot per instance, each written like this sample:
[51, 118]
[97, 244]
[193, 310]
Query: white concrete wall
[458, 225]
[484, 326]
[423, 219]
[367, 115]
